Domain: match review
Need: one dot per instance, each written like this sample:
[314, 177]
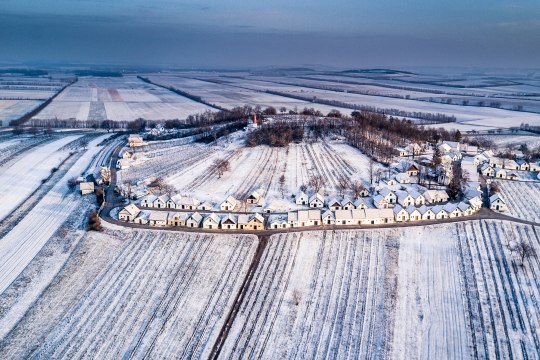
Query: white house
[158, 218]
[476, 203]
[302, 198]
[414, 213]
[142, 218]
[400, 214]
[86, 187]
[211, 221]
[173, 201]
[419, 199]
[466, 209]
[427, 213]
[412, 170]
[511, 165]
[277, 222]
[440, 212]
[388, 195]
[229, 222]
[380, 202]
[500, 173]
[497, 203]
[435, 196]
[161, 202]
[177, 219]
[360, 204]
[309, 218]
[347, 204]
[187, 203]
[328, 218]
[334, 204]
[344, 217]
[129, 213]
[487, 170]
[533, 166]
[122, 164]
[229, 204]
[405, 199]
[316, 201]
[194, 220]
[523, 165]
[254, 198]
[205, 206]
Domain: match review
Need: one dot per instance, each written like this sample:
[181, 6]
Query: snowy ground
[522, 198]
[441, 291]
[20, 179]
[121, 99]
[27, 238]
[189, 169]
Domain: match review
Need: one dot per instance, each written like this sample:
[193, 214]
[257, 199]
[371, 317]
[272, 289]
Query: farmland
[252, 168]
[152, 285]
[119, 99]
[450, 290]
[20, 95]
[522, 198]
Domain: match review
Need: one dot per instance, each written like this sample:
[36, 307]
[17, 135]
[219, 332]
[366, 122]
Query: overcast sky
[234, 33]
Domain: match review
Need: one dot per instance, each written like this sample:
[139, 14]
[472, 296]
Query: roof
[412, 209]
[196, 216]
[328, 213]
[450, 207]
[86, 186]
[397, 209]
[316, 196]
[378, 198]
[495, 197]
[231, 200]
[213, 217]
[385, 191]
[343, 214]
[437, 209]
[188, 201]
[132, 209]
[158, 216]
[277, 218]
[304, 215]
[301, 194]
[463, 206]
[402, 177]
[385, 213]
[255, 195]
[229, 218]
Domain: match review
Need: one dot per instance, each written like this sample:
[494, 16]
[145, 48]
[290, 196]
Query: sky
[252, 34]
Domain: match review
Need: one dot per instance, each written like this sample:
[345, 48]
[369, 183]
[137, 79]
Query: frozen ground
[440, 291]
[20, 179]
[522, 198]
[120, 99]
[27, 238]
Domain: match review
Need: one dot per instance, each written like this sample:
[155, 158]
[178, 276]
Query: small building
[487, 170]
[435, 196]
[229, 222]
[497, 203]
[86, 188]
[412, 170]
[278, 222]
[302, 198]
[534, 166]
[523, 165]
[211, 222]
[347, 204]
[187, 203]
[400, 214]
[419, 199]
[403, 178]
[344, 217]
[328, 218]
[414, 213]
[360, 204]
[334, 205]
[510, 165]
[172, 202]
[194, 220]
[466, 209]
[380, 202]
[129, 213]
[316, 201]
[388, 195]
[205, 206]
[161, 202]
[229, 204]
[309, 218]
[405, 199]
[440, 212]
[158, 218]
[122, 164]
[475, 202]
[142, 218]
[254, 198]
[427, 213]
[177, 219]
[148, 200]
[251, 222]
[500, 173]
[135, 140]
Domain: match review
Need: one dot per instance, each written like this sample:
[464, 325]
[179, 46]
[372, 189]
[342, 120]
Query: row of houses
[300, 218]
[190, 203]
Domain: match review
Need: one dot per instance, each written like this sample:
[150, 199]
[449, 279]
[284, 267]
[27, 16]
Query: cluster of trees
[278, 134]
[94, 222]
[429, 117]
[378, 135]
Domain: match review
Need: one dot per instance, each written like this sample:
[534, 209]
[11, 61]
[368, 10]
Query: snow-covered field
[27, 238]
[20, 179]
[13, 109]
[189, 169]
[121, 99]
[230, 96]
[440, 291]
[161, 295]
[522, 198]
[319, 295]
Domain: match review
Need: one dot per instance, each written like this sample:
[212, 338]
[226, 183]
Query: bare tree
[343, 185]
[222, 166]
[357, 187]
[303, 187]
[72, 183]
[524, 250]
[83, 144]
[282, 185]
[371, 170]
[316, 182]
